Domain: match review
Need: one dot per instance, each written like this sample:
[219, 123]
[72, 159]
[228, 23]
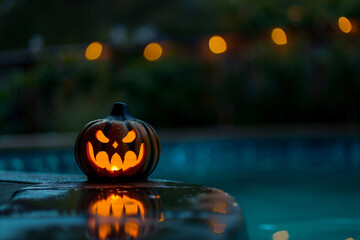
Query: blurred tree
[46, 84]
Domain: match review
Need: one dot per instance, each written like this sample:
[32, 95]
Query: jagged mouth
[115, 163]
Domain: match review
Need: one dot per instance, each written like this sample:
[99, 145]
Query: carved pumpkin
[122, 213]
[118, 147]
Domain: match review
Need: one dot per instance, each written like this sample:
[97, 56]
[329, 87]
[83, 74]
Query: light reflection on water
[141, 210]
[280, 235]
[128, 214]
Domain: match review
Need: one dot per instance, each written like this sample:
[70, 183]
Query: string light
[344, 24]
[278, 36]
[93, 51]
[217, 44]
[153, 51]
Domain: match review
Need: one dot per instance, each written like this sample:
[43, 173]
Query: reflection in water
[220, 207]
[218, 227]
[281, 235]
[220, 219]
[162, 217]
[138, 210]
[117, 206]
[122, 213]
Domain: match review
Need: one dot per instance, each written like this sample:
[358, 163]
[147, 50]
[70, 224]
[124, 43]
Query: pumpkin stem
[120, 110]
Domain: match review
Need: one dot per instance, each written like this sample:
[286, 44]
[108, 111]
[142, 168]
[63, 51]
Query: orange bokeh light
[153, 51]
[278, 36]
[345, 24]
[217, 44]
[93, 51]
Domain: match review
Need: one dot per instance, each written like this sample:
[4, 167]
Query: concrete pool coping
[67, 205]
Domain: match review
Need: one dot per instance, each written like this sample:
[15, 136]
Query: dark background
[46, 83]
[275, 126]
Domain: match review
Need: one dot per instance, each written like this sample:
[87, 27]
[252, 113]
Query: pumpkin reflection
[220, 219]
[122, 213]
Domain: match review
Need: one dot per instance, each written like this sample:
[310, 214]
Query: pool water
[308, 187]
[307, 206]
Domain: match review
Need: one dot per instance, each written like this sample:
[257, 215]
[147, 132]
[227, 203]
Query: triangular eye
[101, 137]
[130, 136]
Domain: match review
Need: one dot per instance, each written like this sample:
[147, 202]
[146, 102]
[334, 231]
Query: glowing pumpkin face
[118, 146]
[115, 163]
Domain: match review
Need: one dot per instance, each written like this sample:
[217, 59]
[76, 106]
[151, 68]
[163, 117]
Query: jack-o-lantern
[118, 147]
[122, 213]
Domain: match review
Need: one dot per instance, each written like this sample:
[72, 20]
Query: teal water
[307, 206]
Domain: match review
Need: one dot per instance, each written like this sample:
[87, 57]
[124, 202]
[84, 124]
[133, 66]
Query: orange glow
[102, 158]
[90, 152]
[120, 207]
[104, 231]
[116, 163]
[162, 217]
[219, 227]
[132, 227]
[220, 207]
[217, 44]
[153, 51]
[130, 156]
[101, 137]
[355, 26]
[344, 24]
[114, 168]
[278, 36]
[91, 223]
[281, 235]
[118, 204]
[129, 137]
[93, 51]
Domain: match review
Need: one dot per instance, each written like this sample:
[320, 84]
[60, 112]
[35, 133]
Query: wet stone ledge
[40, 206]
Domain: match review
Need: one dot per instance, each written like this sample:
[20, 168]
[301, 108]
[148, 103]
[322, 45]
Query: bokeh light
[281, 235]
[93, 51]
[217, 44]
[344, 24]
[294, 13]
[278, 36]
[153, 51]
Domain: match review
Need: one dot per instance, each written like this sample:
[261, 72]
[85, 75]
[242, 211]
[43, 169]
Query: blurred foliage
[314, 78]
